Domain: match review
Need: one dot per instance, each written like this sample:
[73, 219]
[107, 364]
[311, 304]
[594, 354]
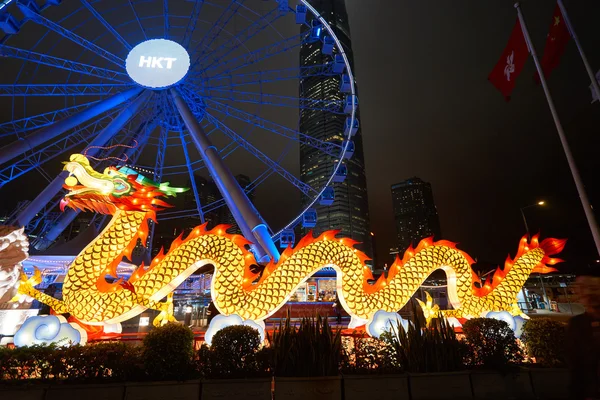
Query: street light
[539, 203]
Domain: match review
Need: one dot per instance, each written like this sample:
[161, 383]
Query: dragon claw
[166, 314]
[430, 309]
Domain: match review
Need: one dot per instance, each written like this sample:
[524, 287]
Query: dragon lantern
[132, 200]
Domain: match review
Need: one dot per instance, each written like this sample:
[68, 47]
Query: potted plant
[495, 355]
[545, 340]
[235, 366]
[306, 360]
[433, 357]
[168, 359]
[370, 369]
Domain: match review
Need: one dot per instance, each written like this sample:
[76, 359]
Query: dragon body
[89, 296]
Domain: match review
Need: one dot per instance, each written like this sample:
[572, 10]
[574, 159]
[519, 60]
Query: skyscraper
[414, 212]
[350, 210]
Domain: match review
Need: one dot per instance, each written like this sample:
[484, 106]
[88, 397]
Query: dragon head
[114, 189]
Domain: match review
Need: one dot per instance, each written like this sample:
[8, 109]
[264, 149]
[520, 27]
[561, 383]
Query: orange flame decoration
[550, 246]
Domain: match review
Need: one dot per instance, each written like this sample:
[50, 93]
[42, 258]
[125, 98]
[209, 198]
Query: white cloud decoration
[503, 316]
[519, 322]
[383, 321]
[49, 329]
[223, 321]
[514, 323]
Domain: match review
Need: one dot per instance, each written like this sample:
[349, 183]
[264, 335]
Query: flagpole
[588, 68]
[561, 134]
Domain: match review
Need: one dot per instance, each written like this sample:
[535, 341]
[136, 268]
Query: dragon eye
[121, 186]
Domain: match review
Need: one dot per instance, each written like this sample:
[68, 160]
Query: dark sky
[428, 110]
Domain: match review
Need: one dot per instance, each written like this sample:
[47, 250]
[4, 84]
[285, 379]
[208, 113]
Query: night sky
[427, 110]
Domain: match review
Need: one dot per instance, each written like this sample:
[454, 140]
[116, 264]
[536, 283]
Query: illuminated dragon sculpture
[132, 200]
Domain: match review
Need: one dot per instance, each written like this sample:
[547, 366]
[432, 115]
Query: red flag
[556, 43]
[508, 68]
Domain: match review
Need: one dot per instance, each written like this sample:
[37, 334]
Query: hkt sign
[157, 63]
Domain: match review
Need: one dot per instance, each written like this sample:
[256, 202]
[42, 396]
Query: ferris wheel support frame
[50, 132]
[215, 98]
[245, 214]
[103, 137]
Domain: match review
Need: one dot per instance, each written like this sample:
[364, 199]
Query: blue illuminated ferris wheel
[189, 86]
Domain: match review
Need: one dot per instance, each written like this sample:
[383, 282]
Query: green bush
[311, 350]
[104, 361]
[426, 349]
[234, 353]
[491, 343]
[168, 353]
[544, 340]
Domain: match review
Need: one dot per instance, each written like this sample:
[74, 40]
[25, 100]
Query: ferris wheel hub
[157, 63]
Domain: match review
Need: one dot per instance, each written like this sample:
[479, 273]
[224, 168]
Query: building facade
[349, 212]
[415, 213]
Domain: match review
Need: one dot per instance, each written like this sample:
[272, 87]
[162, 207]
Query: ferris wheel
[173, 89]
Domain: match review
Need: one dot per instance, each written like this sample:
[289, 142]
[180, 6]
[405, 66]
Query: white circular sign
[157, 63]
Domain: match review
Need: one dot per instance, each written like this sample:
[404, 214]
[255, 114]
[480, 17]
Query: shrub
[104, 361]
[168, 352]
[545, 340]
[235, 353]
[311, 350]
[364, 355]
[491, 343]
[32, 362]
[426, 349]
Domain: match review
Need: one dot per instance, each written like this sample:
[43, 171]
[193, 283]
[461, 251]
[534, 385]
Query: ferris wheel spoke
[166, 17]
[63, 90]
[203, 47]
[44, 59]
[217, 203]
[192, 177]
[39, 19]
[140, 142]
[161, 150]
[137, 18]
[332, 106]
[191, 26]
[108, 26]
[57, 147]
[248, 189]
[199, 165]
[250, 148]
[274, 75]
[26, 124]
[233, 64]
[241, 38]
[333, 149]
